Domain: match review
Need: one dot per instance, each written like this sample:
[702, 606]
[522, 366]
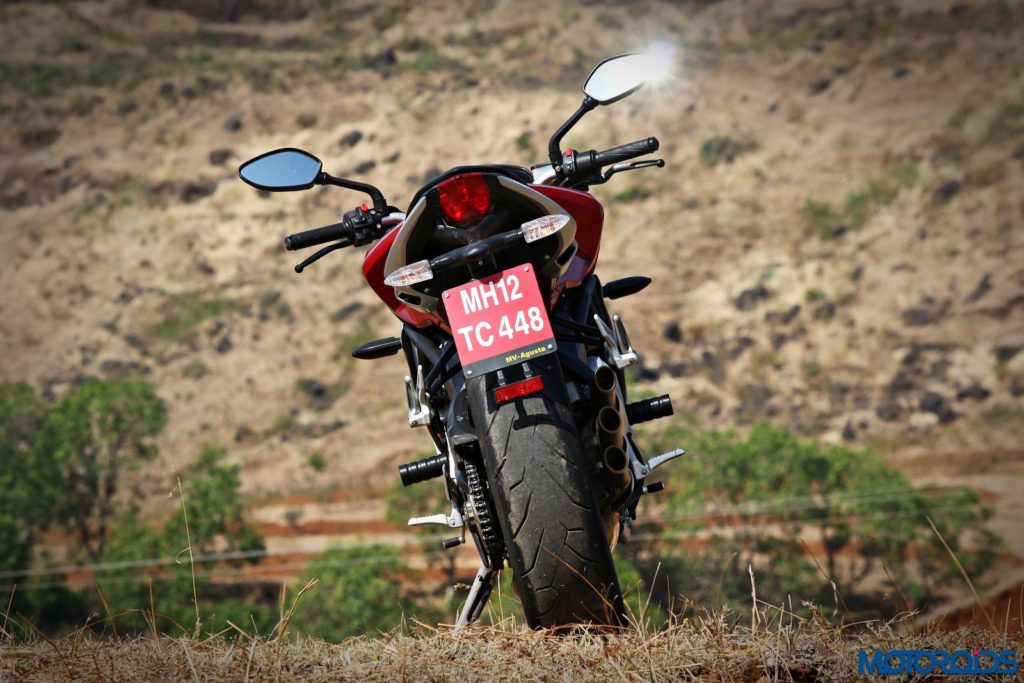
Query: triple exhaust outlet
[611, 434]
[613, 419]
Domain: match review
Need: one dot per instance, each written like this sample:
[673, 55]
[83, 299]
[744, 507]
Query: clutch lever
[299, 267]
[629, 166]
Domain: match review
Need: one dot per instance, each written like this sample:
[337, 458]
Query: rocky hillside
[836, 240]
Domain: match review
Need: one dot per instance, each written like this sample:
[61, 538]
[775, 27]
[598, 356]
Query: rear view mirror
[617, 77]
[282, 170]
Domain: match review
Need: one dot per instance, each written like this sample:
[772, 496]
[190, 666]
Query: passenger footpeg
[649, 409]
[421, 470]
[454, 520]
[642, 469]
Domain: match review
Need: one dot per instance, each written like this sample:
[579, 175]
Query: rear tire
[546, 504]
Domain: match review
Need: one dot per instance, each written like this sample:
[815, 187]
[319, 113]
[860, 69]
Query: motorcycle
[515, 362]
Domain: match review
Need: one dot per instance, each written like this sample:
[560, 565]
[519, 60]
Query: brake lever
[631, 166]
[299, 267]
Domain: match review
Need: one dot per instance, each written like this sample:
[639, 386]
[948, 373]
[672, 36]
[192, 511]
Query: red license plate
[499, 320]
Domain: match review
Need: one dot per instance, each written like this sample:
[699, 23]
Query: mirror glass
[617, 77]
[284, 169]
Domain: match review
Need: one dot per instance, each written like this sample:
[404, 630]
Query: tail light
[519, 389]
[465, 198]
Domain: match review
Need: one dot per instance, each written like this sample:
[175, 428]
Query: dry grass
[706, 648]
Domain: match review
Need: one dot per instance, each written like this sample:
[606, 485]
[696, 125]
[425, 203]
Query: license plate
[499, 321]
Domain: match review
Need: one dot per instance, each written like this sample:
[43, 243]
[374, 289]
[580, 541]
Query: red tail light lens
[465, 198]
[519, 389]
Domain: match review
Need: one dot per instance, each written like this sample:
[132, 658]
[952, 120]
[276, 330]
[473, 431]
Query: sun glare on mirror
[659, 62]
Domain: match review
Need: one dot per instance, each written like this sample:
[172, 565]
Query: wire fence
[780, 506]
[730, 517]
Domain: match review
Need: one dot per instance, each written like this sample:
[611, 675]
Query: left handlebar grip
[630, 150]
[311, 238]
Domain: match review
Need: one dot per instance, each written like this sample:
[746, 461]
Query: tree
[88, 439]
[358, 593]
[26, 494]
[215, 524]
[216, 516]
[802, 516]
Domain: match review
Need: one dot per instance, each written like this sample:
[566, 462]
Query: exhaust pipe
[611, 418]
[611, 432]
[610, 427]
[618, 478]
[605, 385]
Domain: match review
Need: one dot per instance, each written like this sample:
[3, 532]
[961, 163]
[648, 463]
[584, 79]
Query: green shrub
[195, 369]
[182, 314]
[358, 593]
[827, 221]
[814, 294]
[317, 461]
[723, 149]
[633, 194]
[755, 500]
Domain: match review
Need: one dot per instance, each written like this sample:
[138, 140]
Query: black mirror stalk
[554, 145]
[379, 205]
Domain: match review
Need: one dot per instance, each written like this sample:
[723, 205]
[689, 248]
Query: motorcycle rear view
[515, 363]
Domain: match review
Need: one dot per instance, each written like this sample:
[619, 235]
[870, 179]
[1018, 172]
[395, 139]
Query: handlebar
[587, 165]
[360, 226]
[630, 150]
[311, 238]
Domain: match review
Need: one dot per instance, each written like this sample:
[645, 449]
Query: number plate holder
[498, 321]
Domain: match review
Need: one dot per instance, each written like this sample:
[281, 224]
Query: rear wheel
[545, 502]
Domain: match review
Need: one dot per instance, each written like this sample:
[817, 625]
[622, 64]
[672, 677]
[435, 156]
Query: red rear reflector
[465, 198]
[519, 389]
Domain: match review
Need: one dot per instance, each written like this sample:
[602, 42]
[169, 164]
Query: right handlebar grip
[311, 238]
[629, 150]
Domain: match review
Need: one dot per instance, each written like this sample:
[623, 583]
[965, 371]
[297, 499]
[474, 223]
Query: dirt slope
[836, 240]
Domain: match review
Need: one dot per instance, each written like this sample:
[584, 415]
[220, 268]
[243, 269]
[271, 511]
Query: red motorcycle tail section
[373, 273]
[589, 217]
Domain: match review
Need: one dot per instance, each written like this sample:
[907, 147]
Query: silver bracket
[642, 469]
[454, 520]
[416, 394]
[620, 350]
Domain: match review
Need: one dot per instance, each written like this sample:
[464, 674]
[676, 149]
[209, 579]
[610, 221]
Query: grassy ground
[700, 649]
